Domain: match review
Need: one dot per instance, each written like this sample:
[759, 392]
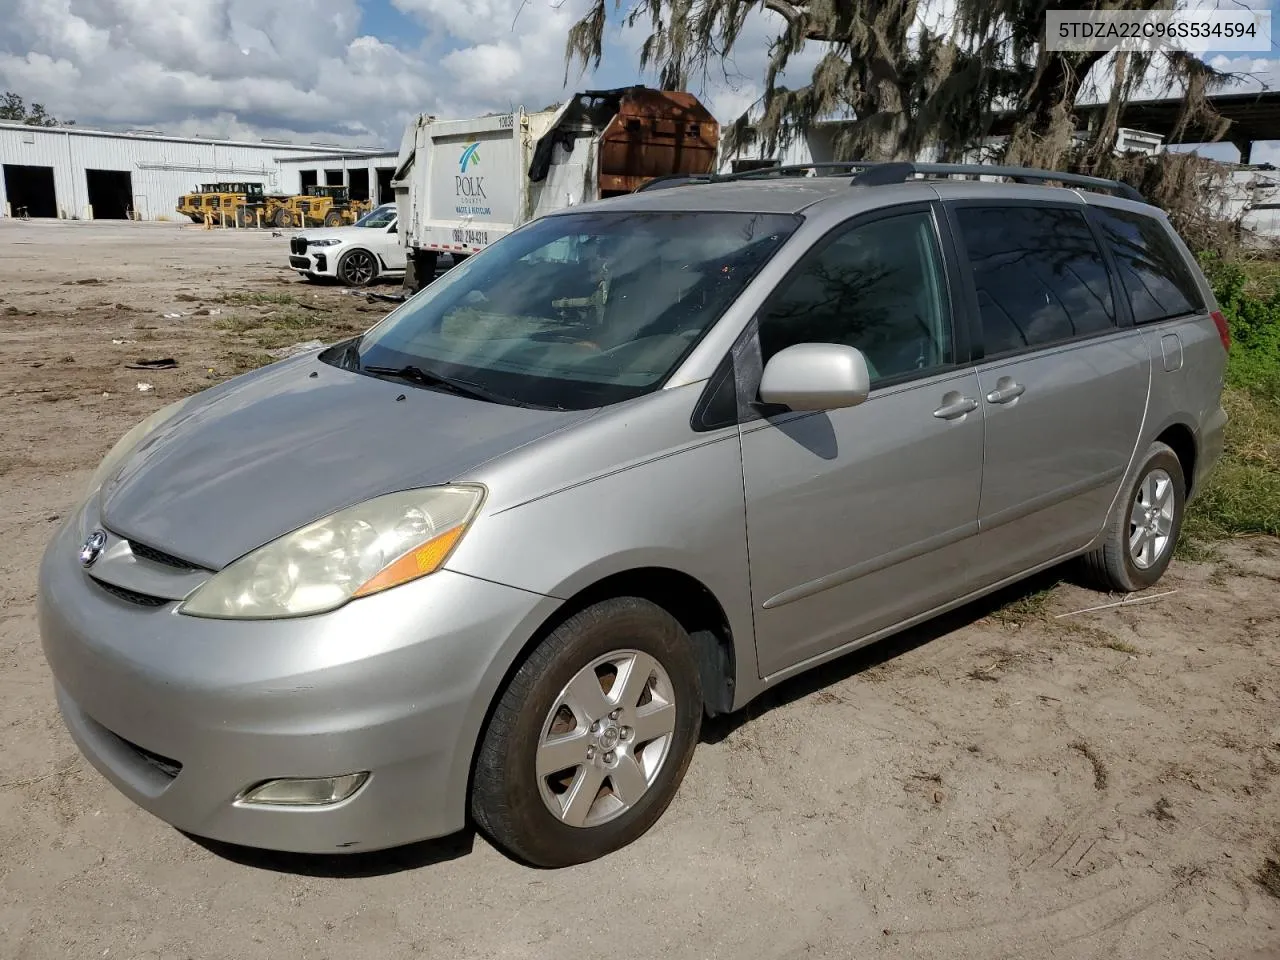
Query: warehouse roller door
[29, 191]
[110, 193]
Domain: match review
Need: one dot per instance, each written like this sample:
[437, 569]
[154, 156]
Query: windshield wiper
[464, 388]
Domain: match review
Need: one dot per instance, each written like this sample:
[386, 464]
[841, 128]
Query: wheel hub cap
[609, 738]
[1151, 519]
[606, 738]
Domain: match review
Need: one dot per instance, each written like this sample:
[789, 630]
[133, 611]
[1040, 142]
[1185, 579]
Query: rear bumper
[1213, 435]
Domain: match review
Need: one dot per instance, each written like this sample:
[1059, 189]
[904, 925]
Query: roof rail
[672, 180]
[899, 172]
[682, 179]
[870, 173]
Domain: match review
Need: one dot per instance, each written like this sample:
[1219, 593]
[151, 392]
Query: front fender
[683, 512]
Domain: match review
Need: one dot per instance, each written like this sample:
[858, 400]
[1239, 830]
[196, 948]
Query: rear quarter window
[1156, 278]
[1039, 275]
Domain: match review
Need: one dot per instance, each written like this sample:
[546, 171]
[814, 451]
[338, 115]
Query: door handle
[955, 407]
[1005, 391]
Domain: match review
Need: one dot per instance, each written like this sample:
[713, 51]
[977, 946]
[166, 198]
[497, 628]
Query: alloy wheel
[358, 268]
[1151, 519]
[606, 738]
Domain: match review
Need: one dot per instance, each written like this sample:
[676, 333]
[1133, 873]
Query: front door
[859, 518]
[1064, 383]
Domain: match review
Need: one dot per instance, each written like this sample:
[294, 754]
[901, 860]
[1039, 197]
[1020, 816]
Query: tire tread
[491, 800]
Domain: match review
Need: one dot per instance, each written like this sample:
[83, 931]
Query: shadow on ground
[716, 729]
[377, 863]
[430, 852]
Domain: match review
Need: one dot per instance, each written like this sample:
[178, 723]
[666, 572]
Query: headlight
[126, 444]
[364, 549]
[322, 243]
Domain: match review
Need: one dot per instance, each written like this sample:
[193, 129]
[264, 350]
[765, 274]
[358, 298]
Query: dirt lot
[1011, 782]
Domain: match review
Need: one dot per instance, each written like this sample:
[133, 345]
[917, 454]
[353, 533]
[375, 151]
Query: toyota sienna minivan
[494, 560]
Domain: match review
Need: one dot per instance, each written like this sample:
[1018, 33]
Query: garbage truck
[461, 185]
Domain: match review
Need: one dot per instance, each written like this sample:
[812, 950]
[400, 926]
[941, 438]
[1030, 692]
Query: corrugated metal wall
[160, 169]
[291, 169]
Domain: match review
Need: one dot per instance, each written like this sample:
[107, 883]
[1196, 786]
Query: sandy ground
[1006, 783]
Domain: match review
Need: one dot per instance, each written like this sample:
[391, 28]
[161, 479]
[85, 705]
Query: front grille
[131, 596]
[158, 556]
[298, 245]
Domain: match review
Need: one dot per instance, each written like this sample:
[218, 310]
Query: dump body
[462, 184]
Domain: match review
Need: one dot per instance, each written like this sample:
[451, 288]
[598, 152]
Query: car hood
[345, 234]
[294, 443]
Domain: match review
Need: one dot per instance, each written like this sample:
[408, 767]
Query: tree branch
[788, 11]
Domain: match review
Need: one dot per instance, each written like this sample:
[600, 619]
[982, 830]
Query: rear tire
[284, 219]
[1141, 537]
[619, 775]
[333, 219]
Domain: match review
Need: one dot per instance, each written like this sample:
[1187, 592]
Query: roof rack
[898, 172]
[869, 173]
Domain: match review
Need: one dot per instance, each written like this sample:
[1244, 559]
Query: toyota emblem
[91, 549]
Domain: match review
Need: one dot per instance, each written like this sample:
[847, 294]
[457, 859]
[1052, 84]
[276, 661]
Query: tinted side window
[878, 287]
[1039, 274]
[1155, 276]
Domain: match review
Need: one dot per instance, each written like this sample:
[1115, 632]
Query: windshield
[379, 217]
[578, 310]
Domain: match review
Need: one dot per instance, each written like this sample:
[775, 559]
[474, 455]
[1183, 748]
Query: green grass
[1243, 495]
[1034, 606]
[241, 298]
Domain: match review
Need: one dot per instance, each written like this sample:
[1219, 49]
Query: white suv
[354, 255]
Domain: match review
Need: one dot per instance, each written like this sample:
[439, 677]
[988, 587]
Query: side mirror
[816, 376]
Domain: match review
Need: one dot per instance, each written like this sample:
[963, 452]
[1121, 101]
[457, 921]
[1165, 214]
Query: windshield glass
[378, 217]
[577, 310]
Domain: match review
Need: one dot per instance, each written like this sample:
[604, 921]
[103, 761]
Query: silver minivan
[493, 561]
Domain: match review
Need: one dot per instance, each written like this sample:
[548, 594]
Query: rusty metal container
[656, 133]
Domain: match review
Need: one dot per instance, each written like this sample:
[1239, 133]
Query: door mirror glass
[816, 376]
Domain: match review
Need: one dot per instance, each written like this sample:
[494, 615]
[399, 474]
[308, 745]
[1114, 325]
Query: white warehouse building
[74, 173]
[367, 176]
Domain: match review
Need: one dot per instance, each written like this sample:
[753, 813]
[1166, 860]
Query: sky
[350, 72]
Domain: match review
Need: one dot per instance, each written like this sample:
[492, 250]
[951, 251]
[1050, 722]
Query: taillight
[1224, 331]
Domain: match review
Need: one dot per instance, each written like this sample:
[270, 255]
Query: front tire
[590, 739]
[333, 219]
[357, 268]
[1142, 535]
[284, 219]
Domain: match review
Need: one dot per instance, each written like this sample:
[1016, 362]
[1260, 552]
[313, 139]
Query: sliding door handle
[1005, 391]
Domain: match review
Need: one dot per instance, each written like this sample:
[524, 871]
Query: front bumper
[182, 714]
[316, 264]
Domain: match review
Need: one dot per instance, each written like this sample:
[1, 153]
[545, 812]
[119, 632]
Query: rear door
[1064, 380]
[393, 253]
[1167, 303]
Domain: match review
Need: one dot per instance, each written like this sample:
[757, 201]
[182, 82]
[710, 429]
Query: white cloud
[302, 68]
[226, 67]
